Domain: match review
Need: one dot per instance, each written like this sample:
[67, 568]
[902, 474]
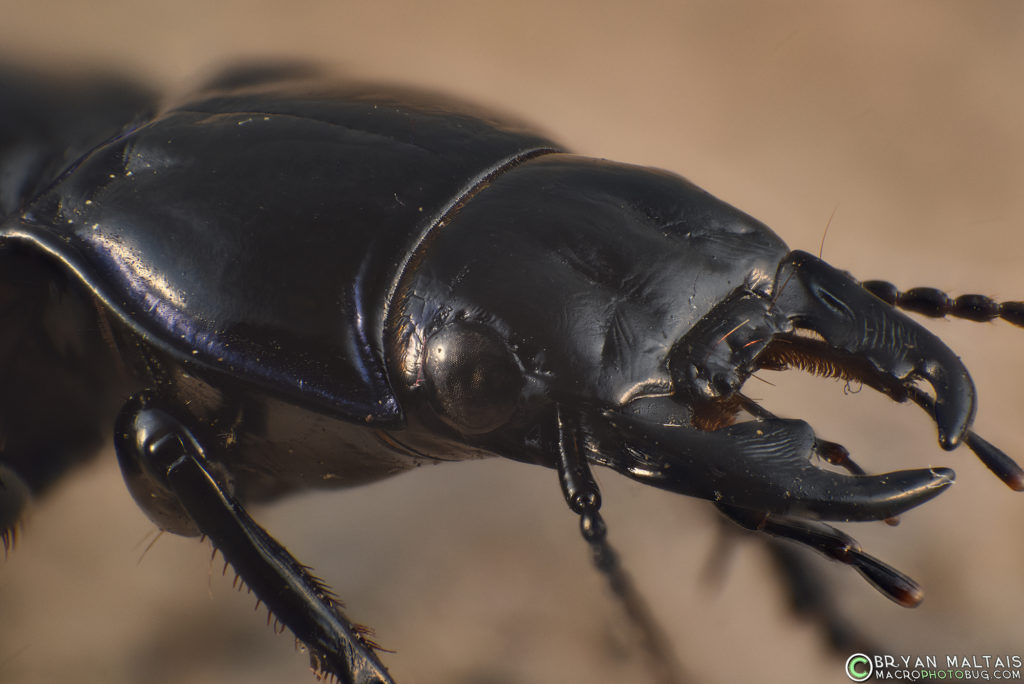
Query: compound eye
[473, 376]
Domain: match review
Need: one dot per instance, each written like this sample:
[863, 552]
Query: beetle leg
[168, 451]
[765, 465]
[834, 544]
[584, 498]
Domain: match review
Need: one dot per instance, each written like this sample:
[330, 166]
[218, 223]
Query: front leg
[151, 443]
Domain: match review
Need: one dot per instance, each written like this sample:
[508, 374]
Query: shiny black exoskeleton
[303, 284]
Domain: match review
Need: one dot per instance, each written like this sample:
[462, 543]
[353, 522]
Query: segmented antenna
[929, 301]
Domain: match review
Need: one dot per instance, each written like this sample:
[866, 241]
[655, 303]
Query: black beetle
[304, 284]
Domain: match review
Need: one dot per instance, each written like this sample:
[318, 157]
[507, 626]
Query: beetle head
[639, 304]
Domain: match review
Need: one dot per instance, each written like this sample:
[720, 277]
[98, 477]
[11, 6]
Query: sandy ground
[902, 119]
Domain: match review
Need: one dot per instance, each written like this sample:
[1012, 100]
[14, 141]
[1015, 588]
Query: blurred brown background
[905, 119]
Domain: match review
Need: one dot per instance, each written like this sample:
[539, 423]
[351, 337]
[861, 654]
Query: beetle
[283, 282]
